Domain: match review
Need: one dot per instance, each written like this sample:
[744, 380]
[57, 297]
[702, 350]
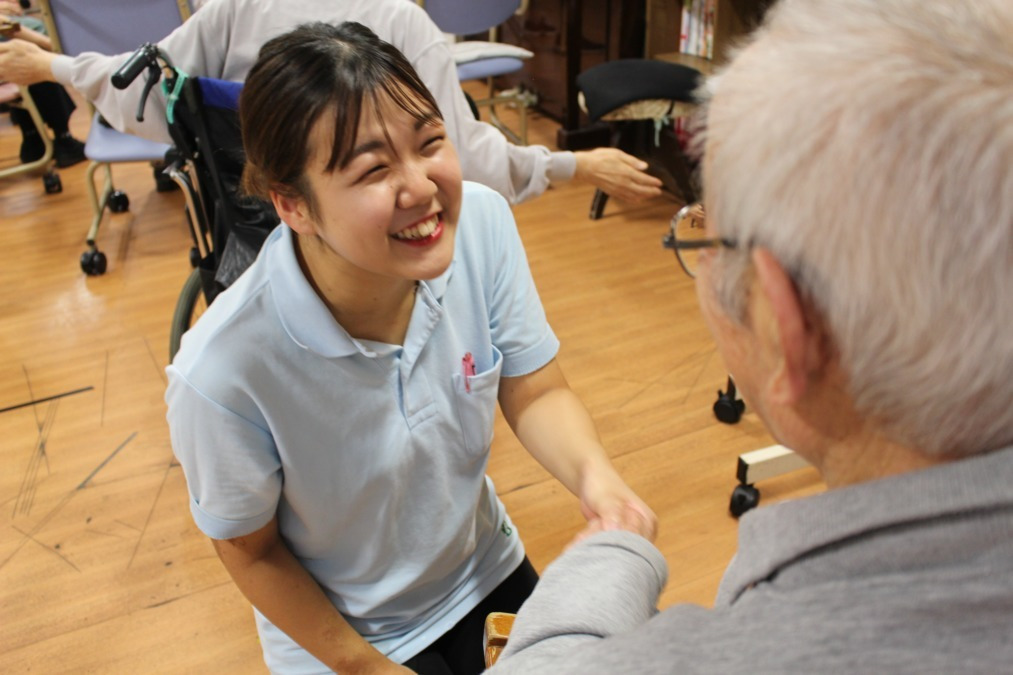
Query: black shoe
[163, 182]
[32, 146]
[68, 151]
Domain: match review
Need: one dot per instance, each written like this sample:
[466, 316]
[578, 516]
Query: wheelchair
[227, 228]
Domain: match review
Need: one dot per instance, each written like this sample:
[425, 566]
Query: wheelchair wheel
[190, 305]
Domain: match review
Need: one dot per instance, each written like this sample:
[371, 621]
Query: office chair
[639, 98]
[101, 26]
[485, 60]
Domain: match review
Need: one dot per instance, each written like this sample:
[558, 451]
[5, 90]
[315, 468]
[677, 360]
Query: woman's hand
[607, 500]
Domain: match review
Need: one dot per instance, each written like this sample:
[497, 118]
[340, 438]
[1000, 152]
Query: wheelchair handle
[144, 56]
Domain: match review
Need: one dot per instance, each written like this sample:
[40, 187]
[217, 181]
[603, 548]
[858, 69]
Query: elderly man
[858, 173]
[222, 40]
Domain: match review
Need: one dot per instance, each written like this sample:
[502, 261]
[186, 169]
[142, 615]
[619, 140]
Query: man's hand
[616, 173]
[24, 63]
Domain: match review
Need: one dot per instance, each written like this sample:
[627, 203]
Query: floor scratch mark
[29, 482]
[165, 476]
[699, 374]
[105, 461]
[52, 550]
[63, 502]
[105, 388]
[31, 395]
[36, 402]
[161, 372]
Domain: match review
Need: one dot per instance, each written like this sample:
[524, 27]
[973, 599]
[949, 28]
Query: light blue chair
[110, 27]
[485, 60]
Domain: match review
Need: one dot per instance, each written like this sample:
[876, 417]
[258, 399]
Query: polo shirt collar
[303, 313]
[773, 536]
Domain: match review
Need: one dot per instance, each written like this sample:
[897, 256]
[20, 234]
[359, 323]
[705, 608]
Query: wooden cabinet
[568, 36]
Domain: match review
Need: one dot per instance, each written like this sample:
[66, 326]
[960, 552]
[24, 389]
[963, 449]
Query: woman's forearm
[274, 581]
[554, 426]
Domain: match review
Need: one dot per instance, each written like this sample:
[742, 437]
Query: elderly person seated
[222, 40]
[54, 104]
[858, 173]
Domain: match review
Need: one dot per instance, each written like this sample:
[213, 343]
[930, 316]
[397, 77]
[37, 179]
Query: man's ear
[794, 338]
[295, 212]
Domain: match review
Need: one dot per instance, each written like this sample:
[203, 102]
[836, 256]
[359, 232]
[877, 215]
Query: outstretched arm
[555, 427]
[617, 173]
[517, 172]
[607, 587]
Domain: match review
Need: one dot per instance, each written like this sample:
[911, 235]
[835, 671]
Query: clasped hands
[609, 504]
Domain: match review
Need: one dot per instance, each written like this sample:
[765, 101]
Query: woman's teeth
[420, 231]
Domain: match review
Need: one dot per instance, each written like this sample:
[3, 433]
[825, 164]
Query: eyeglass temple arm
[668, 241]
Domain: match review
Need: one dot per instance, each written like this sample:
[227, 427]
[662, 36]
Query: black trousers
[54, 104]
[459, 651]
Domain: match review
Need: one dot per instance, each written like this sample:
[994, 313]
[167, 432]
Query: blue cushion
[479, 70]
[108, 145]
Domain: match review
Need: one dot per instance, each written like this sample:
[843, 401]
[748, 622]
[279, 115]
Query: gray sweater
[908, 574]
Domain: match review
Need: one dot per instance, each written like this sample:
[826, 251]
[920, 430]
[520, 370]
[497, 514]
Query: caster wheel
[93, 262]
[51, 181]
[727, 409]
[119, 202]
[194, 257]
[744, 497]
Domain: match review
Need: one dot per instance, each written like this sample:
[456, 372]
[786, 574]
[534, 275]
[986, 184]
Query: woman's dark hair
[299, 76]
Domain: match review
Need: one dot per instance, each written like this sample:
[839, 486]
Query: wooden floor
[101, 567]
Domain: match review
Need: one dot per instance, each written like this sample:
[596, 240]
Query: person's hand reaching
[617, 173]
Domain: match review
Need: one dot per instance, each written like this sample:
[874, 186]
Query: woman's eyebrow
[363, 148]
[376, 144]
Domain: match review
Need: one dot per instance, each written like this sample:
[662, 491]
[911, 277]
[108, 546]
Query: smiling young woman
[333, 410]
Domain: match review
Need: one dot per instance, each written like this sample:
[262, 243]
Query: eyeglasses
[686, 237]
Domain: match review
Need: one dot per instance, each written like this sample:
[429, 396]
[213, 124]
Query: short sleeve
[233, 472]
[517, 319]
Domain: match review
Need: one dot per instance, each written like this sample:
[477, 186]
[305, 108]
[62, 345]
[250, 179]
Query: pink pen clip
[468, 369]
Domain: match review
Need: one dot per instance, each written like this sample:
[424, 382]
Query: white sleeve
[516, 172]
[197, 47]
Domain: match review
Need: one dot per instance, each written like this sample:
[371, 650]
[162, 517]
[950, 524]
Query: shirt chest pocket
[475, 396]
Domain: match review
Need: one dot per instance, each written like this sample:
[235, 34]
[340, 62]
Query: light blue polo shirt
[372, 455]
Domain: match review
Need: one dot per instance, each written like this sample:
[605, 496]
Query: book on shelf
[696, 33]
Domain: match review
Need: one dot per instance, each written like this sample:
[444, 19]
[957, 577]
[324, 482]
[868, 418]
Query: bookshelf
[726, 19]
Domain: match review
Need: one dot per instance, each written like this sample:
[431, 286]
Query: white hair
[869, 145]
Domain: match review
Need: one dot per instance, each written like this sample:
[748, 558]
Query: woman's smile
[423, 233]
